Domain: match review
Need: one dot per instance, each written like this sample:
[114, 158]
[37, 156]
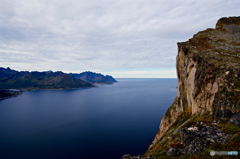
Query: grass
[229, 129]
[172, 106]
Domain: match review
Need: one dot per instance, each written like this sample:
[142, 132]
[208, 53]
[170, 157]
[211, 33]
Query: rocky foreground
[195, 138]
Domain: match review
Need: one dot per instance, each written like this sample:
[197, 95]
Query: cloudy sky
[122, 38]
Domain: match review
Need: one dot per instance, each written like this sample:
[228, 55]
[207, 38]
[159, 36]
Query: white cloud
[145, 74]
[102, 34]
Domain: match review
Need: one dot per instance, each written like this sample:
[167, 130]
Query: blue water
[97, 123]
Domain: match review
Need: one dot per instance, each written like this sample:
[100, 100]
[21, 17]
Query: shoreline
[11, 95]
[32, 89]
[18, 92]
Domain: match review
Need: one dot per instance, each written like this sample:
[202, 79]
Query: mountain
[24, 80]
[205, 114]
[94, 78]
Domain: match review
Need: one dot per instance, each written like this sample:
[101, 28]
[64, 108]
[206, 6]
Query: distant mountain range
[25, 80]
[94, 78]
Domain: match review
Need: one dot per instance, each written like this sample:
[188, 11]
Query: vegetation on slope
[10, 79]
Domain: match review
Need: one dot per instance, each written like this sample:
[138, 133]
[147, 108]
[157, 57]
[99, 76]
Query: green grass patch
[229, 129]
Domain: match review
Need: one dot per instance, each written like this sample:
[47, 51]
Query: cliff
[208, 72]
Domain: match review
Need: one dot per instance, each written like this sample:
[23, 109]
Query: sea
[105, 122]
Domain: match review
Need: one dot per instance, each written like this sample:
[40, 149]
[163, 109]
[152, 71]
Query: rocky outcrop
[208, 72]
[196, 137]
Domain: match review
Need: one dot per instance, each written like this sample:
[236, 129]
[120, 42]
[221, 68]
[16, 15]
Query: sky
[122, 38]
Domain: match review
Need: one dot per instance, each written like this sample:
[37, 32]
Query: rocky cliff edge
[208, 72]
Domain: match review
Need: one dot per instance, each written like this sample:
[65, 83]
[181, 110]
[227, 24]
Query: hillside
[94, 78]
[24, 80]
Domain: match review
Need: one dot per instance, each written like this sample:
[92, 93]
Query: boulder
[126, 157]
[176, 150]
[235, 120]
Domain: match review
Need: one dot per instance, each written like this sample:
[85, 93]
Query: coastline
[11, 95]
[17, 92]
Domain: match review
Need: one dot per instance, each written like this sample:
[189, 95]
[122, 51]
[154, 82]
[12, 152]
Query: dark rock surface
[176, 150]
[235, 120]
[197, 137]
[137, 157]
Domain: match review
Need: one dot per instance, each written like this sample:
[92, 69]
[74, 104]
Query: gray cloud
[102, 34]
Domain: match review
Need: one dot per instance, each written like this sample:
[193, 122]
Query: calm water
[97, 123]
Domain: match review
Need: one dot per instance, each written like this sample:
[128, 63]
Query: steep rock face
[208, 71]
